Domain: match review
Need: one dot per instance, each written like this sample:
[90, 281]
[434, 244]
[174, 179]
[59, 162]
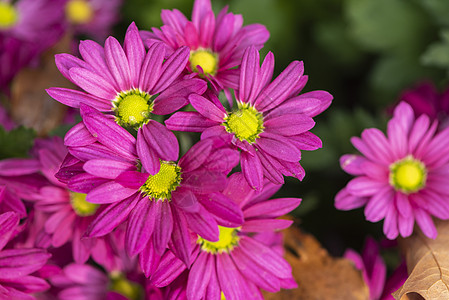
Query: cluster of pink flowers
[124, 211]
[30, 27]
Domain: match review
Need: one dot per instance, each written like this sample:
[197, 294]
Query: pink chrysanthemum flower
[239, 263]
[161, 207]
[401, 178]
[270, 124]
[17, 265]
[374, 271]
[82, 281]
[92, 17]
[216, 43]
[129, 82]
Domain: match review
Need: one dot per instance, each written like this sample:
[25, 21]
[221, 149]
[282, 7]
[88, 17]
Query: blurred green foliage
[16, 143]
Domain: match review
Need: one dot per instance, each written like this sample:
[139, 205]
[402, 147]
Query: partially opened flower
[17, 265]
[129, 82]
[216, 43]
[92, 17]
[374, 271]
[270, 124]
[401, 177]
[239, 263]
[160, 208]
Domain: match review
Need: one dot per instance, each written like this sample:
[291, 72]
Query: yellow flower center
[132, 108]
[131, 290]
[8, 15]
[208, 61]
[79, 11]
[246, 123]
[160, 185]
[81, 207]
[227, 240]
[408, 175]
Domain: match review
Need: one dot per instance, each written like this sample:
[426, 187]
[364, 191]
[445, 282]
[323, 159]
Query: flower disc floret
[161, 185]
[207, 60]
[8, 15]
[79, 11]
[227, 240]
[246, 123]
[133, 108]
[408, 175]
[81, 207]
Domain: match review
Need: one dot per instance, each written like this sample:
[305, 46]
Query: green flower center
[246, 123]
[81, 207]
[131, 290]
[160, 185]
[79, 11]
[408, 175]
[8, 15]
[227, 240]
[207, 60]
[132, 108]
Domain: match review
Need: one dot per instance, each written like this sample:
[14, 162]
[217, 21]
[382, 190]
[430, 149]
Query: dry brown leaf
[319, 276]
[31, 106]
[428, 261]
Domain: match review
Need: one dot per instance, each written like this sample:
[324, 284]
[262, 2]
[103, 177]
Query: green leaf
[439, 9]
[437, 54]
[17, 142]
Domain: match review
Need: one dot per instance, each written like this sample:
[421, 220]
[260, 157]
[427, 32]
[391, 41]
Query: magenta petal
[93, 83]
[201, 8]
[73, 98]
[272, 168]
[19, 166]
[140, 226]
[351, 164]
[196, 156]
[207, 109]
[203, 224]
[199, 276]
[189, 121]
[271, 208]
[151, 67]
[79, 136]
[84, 183]
[347, 201]
[149, 259]
[109, 133]
[231, 281]
[135, 52]
[306, 141]
[180, 242]
[170, 267]
[19, 262]
[112, 216]
[109, 192]
[258, 275]
[289, 124]
[176, 95]
[161, 140]
[425, 223]
[226, 212]
[132, 179]
[148, 157]
[28, 284]
[278, 90]
[64, 62]
[249, 71]
[204, 181]
[262, 225]
[279, 147]
[163, 226]
[378, 205]
[265, 257]
[363, 186]
[93, 54]
[8, 222]
[252, 169]
[106, 168]
[118, 63]
[171, 69]
[185, 199]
